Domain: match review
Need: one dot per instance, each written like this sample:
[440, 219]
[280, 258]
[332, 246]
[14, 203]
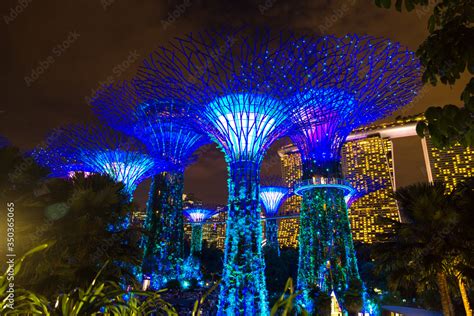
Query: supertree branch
[272, 197]
[163, 126]
[355, 80]
[233, 82]
[197, 217]
[90, 148]
[160, 123]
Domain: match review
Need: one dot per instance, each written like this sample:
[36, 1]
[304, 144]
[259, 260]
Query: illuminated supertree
[353, 81]
[197, 217]
[162, 125]
[4, 142]
[272, 196]
[235, 83]
[95, 149]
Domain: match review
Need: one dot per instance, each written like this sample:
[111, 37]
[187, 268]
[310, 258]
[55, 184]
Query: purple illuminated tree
[353, 81]
[162, 125]
[272, 196]
[236, 84]
[197, 217]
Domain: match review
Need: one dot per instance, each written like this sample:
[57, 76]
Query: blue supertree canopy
[97, 149]
[60, 164]
[4, 142]
[233, 81]
[354, 80]
[198, 215]
[161, 124]
[272, 197]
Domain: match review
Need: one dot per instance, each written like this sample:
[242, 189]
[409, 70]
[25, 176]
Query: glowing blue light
[4, 142]
[168, 137]
[242, 94]
[130, 168]
[95, 149]
[161, 124]
[271, 198]
[244, 123]
[198, 215]
[185, 285]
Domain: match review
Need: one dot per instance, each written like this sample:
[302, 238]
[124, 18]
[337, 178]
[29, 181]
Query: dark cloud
[109, 31]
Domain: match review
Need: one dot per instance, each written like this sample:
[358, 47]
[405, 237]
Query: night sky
[55, 53]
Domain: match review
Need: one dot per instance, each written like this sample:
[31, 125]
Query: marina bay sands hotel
[373, 166]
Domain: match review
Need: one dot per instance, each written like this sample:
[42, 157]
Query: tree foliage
[446, 54]
[76, 221]
[434, 242]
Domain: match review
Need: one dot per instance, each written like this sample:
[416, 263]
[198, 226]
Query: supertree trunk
[271, 232]
[163, 247]
[196, 238]
[313, 239]
[243, 290]
[326, 250]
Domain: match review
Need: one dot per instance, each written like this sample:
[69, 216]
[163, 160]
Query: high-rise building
[450, 165]
[368, 164]
[291, 172]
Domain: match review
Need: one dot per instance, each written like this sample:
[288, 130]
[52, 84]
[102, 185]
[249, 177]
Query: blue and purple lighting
[233, 82]
[272, 197]
[198, 215]
[128, 167]
[354, 80]
[161, 124]
[351, 81]
[4, 142]
[86, 148]
[244, 124]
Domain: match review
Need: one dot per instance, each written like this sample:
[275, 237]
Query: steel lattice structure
[232, 80]
[96, 149]
[354, 80]
[244, 89]
[197, 217]
[272, 197]
[162, 125]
